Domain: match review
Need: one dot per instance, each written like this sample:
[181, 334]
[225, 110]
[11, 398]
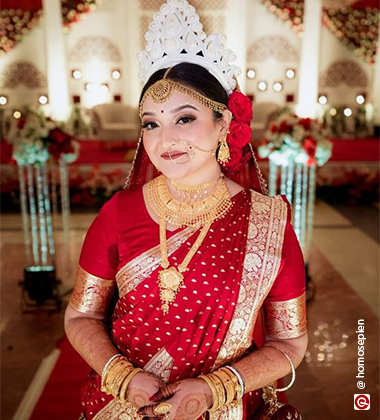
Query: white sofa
[116, 122]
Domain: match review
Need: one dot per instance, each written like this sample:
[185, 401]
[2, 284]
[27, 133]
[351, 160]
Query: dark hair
[195, 77]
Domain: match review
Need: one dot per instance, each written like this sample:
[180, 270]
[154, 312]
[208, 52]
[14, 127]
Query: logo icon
[361, 401]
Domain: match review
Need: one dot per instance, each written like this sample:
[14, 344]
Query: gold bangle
[115, 386]
[238, 390]
[114, 374]
[215, 396]
[128, 379]
[108, 368]
[219, 389]
[228, 384]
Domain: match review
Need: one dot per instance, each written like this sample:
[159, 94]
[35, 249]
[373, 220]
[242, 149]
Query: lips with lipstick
[174, 154]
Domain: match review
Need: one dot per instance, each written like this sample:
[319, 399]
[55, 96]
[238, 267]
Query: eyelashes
[186, 119]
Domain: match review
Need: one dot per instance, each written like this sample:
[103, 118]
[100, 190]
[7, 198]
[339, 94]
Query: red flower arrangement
[60, 143]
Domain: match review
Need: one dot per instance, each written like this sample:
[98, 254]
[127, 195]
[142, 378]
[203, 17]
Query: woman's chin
[173, 171]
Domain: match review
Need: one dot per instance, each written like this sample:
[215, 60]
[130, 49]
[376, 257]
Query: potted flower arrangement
[36, 139]
[291, 138]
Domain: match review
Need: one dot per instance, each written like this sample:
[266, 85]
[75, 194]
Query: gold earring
[224, 151]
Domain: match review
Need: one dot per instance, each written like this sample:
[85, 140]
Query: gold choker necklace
[188, 193]
[195, 215]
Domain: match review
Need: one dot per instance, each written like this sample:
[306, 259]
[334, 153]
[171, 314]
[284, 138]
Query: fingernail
[139, 411]
[153, 398]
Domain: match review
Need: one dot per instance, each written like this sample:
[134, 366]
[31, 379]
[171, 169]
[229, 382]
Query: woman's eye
[149, 125]
[185, 120]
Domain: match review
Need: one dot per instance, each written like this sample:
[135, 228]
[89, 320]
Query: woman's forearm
[268, 364]
[90, 339]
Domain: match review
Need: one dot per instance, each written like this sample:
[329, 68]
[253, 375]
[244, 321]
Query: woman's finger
[165, 392]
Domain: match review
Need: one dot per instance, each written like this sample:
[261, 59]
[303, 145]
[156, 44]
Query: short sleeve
[285, 305]
[95, 281]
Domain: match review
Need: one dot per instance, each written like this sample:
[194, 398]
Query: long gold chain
[195, 214]
[198, 214]
[171, 279]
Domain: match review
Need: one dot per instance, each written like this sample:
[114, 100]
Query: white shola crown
[176, 36]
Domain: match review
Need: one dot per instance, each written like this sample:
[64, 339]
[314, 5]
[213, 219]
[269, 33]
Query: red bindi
[162, 111]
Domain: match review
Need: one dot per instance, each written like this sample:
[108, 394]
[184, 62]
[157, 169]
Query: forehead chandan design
[162, 90]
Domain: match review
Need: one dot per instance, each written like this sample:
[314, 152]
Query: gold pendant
[170, 281]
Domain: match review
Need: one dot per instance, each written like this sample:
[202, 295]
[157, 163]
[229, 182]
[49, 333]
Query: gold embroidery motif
[265, 238]
[160, 365]
[91, 294]
[115, 411]
[286, 319]
[137, 270]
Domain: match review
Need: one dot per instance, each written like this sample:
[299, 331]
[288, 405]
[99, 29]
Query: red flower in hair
[240, 134]
[240, 106]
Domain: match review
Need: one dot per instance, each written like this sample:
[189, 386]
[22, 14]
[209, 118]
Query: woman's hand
[142, 387]
[189, 399]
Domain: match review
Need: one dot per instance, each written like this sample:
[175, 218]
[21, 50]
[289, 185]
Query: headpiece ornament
[176, 36]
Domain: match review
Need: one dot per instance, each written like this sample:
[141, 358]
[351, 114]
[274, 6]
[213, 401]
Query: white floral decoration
[176, 35]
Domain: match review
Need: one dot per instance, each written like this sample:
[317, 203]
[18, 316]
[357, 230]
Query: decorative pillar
[236, 32]
[373, 106]
[131, 34]
[57, 69]
[309, 64]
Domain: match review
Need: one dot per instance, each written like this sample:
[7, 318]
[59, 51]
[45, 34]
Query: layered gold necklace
[196, 215]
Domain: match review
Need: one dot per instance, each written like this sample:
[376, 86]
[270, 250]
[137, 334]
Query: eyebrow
[173, 111]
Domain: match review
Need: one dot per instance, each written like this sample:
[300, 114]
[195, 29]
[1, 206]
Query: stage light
[262, 86]
[290, 73]
[116, 74]
[277, 86]
[17, 115]
[322, 99]
[104, 88]
[347, 112]
[360, 99]
[76, 74]
[43, 100]
[89, 87]
[251, 74]
[333, 112]
[3, 100]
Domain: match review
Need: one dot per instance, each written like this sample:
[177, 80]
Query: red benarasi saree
[249, 257]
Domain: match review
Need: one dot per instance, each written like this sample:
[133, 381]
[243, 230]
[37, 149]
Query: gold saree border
[135, 271]
[161, 364]
[91, 294]
[262, 261]
[115, 411]
[286, 319]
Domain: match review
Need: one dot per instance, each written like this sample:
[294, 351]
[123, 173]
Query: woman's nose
[167, 137]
